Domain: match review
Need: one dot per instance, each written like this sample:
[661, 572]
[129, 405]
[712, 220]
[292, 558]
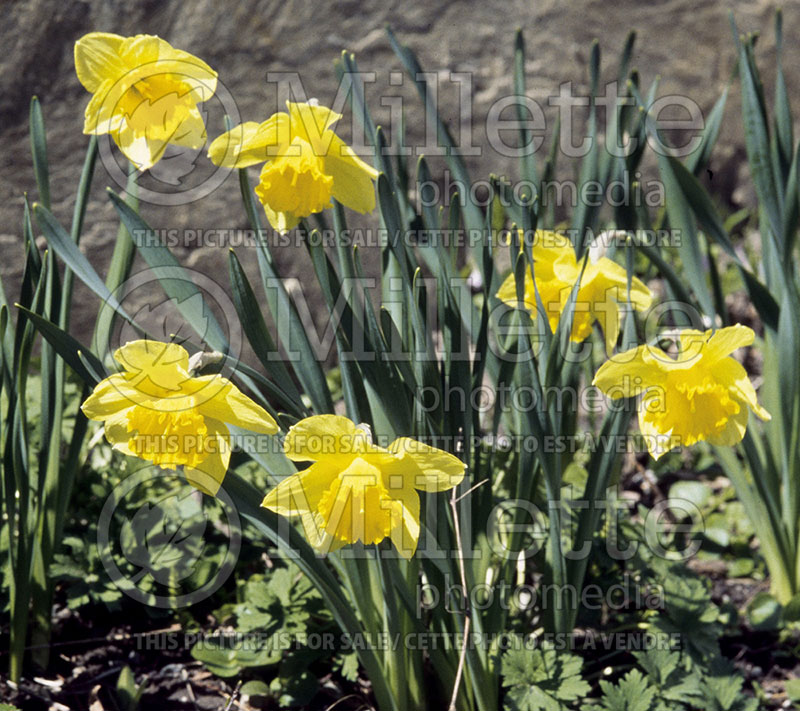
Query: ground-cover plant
[533, 312]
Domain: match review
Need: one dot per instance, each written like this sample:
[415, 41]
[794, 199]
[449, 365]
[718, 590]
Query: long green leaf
[64, 246]
[177, 284]
[39, 151]
[67, 347]
[472, 213]
[255, 329]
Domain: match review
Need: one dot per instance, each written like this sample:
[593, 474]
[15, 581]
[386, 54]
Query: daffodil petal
[319, 436]
[102, 115]
[733, 431]
[225, 402]
[156, 369]
[629, 373]
[568, 271]
[352, 178]
[406, 524]
[658, 442]
[724, 341]
[138, 356]
[437, 470]
[548, 246]
[281, 221]
[301, 493]
[606, 275]
[116, 431]
[319, 539]
[139, 149]
[610, 327]
[209, 474]
[236, 149]
[641, 297]
[150, 56]
[250, 143]
[548, 292]
[109, 397]
[507, 293]
[732, 373]
[97, 59]
[191, 131]
[310, 121]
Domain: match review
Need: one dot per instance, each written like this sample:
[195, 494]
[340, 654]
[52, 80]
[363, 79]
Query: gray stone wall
[687, 43]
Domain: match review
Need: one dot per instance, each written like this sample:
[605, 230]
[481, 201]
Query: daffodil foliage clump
[439, 495]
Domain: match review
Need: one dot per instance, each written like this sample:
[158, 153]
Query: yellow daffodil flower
[702, 394]
[603, 287]
[145, 93]
[355, 490]
[156, 410]
[305, 164]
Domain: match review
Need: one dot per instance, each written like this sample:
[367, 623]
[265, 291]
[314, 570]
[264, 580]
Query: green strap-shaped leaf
[681, 219]
[118, 270]
[584, 216]
[355, 395]
[248, 309]
[784, 133]
[68, 348]
[756, 133]
[292, 545]
[472, 213]
[64, 246]
[39, 152]
[707, 216]
[176, 283]
[528, 159]
[698, 159]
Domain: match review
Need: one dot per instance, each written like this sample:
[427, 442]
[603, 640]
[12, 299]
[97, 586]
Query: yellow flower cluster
[145, 95]
[157, 410]
[703, 394]
[305, 164]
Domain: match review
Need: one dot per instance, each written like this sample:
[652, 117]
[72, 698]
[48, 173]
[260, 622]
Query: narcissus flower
[145, 93]
[603, 287]
[355, 490]
[702, 394]
[156, 410]
[305, 164]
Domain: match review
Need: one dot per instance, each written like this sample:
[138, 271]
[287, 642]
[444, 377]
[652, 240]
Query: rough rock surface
[687, 43]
